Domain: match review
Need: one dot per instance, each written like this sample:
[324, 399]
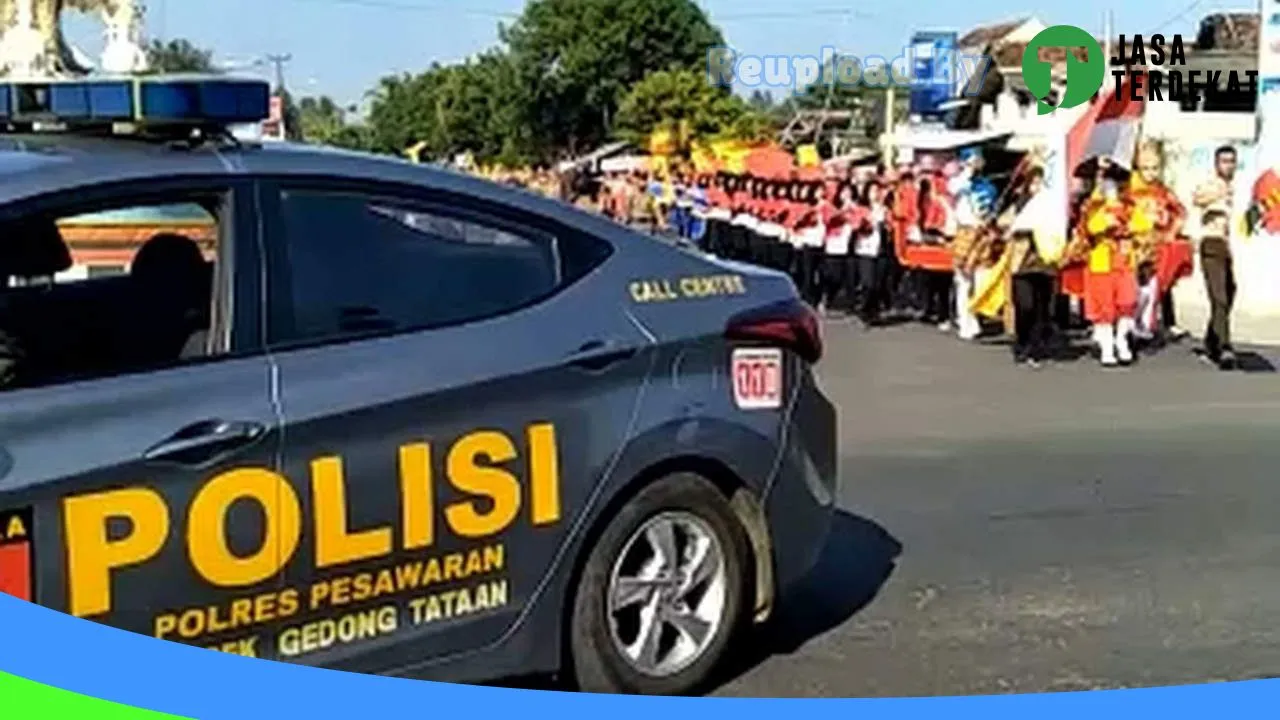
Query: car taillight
[790, 324]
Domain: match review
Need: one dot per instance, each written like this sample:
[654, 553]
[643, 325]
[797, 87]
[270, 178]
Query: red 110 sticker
[757, 378]
[15, 553]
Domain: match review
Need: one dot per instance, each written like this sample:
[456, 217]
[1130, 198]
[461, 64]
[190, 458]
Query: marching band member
[975, 199]
[804, 223]
[744, 221]
[700, 204]
[1111, 285]
[935, 228]
[903, 207]
[1032, 275]
[874, 252]
[1156, 216]
[839, 271]
[771, 233]
[719, 214]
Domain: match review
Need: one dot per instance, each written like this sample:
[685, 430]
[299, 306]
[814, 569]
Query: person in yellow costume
[1156, 216]
[1110, 281]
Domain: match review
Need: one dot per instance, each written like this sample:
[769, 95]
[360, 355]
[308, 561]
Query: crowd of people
[946, 245]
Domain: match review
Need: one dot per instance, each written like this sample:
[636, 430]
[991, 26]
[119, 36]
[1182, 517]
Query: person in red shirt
[905, 229]
[936, 285]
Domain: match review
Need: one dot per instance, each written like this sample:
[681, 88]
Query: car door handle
[598, 355]
[201, 442]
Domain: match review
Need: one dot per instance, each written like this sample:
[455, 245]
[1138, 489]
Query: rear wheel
[661, 595]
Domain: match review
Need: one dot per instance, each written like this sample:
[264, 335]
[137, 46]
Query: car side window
[123, 289]
[368, 265]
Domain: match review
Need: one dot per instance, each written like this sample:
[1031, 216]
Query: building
[104, 243]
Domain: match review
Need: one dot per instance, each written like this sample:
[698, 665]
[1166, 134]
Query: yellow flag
[990, 298]
[807, 156]
[662, 142]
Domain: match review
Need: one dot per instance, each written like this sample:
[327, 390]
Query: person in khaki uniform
[1220, 283]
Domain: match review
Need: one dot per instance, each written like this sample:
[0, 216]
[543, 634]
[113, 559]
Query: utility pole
[279, 62]
[1108, 33]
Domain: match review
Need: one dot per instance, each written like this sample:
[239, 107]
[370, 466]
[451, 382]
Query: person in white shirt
[1033, 278]
[809, 234]
[970, 216]
[839, 274]
[873, 250]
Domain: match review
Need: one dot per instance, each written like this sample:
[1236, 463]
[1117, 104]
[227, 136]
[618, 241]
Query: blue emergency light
[147, 101]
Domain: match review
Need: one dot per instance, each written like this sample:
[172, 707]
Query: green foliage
[471, 107]
[683, 102]
[579, 58]
[179, 56]
[552, 89]
[322, 121]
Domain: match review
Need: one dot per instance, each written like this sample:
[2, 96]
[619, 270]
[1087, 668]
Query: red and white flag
[1110, 128]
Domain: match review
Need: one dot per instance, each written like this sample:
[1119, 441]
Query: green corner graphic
[1084, 79]
[26, 700]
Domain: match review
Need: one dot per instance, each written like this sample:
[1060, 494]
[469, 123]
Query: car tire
[607, 655]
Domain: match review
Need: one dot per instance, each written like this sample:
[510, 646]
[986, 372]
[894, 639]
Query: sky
[342, 47]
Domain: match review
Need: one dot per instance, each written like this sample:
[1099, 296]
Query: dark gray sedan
[384, 418]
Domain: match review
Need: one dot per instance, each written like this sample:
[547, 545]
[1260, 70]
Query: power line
[803, 15]
[511, 15]
[417, 7]
[1181, 14]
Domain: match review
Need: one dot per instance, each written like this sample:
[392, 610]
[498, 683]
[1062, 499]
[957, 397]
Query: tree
[684, 102]
[761, 100]
[476, 106]
[577, 59]
[179, 56]
[553, 88]
[320, 119]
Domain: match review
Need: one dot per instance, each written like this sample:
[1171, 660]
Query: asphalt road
[1004, 529]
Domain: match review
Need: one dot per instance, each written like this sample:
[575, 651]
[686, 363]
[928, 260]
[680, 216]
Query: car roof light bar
[158, 101]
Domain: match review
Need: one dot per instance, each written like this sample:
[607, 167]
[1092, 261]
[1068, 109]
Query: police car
[385, 418]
